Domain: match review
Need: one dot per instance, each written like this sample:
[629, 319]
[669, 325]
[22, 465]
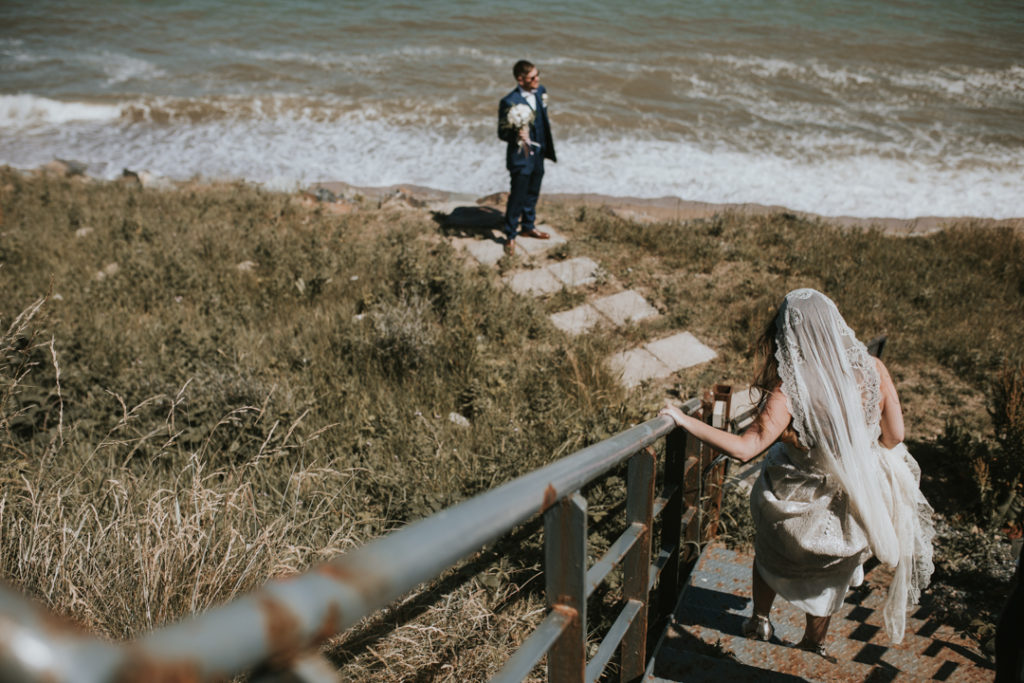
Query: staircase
[702, 642]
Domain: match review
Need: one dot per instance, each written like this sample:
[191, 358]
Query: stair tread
[706, 626]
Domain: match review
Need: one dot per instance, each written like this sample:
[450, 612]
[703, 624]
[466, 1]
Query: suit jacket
[540, 131]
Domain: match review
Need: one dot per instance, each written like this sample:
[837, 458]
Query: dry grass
[121, 545]
[206, 388]
[951, 303]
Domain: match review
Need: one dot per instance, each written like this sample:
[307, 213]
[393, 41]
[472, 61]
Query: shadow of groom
[471, 221]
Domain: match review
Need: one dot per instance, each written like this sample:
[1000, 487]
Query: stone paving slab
[625, 307]
[534, 282]
[575, 272]
[680, 351]
[577, 320]
[486, 252]
[660, 358]
[535, 247]
[637, 366]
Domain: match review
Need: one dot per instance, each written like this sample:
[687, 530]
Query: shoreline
[650, 210]
[639, 209]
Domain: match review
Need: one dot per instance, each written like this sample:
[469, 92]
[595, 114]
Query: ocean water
[896, 108]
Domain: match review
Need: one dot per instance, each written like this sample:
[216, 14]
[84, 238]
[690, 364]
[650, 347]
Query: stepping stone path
[653, 360]
[576, 272]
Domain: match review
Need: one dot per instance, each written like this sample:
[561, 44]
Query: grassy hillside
[207, 387]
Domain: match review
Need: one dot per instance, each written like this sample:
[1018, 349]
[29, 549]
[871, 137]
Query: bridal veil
[831, 386]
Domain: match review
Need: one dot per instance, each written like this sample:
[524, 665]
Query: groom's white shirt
[530, 97]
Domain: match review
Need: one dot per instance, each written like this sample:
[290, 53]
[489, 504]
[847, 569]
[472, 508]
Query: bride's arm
[892, 415]
[767, 427]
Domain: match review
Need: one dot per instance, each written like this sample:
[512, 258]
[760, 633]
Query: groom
[525, 154]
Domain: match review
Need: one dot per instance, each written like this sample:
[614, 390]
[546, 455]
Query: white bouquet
[520, 116]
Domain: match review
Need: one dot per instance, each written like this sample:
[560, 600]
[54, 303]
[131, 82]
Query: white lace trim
[869, 383]
[783, 358]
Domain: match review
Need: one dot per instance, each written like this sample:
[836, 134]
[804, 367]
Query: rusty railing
[275, 631]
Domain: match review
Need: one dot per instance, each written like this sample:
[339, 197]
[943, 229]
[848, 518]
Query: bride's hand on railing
[673, 412]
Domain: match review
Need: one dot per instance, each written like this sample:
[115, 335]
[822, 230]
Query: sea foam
[286, 148]
[18, 111]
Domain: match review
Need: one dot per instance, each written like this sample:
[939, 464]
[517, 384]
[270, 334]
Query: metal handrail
[289, 617]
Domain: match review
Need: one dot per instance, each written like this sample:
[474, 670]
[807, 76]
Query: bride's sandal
[816, 648]
[758, 627]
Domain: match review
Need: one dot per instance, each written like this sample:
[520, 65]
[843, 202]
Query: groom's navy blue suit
[526, 171]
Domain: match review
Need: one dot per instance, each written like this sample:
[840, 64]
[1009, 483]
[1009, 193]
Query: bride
[838, 485]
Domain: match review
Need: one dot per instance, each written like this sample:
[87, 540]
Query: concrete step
[711, 610]
[614, 311]
[534, 247]
[659, 359]
[486, 243]
[575, 272]
[625, 307]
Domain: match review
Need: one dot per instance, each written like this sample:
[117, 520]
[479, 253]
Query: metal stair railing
[275, 631]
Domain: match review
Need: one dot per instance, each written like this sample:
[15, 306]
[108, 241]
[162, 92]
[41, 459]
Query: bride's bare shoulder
[883, 372]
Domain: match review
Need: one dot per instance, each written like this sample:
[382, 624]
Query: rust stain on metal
[550, 498]
[141, 668]
[570, 612]
[283, 630]
[330, 625]
[371, 585]
[58, 625]
[54, 624]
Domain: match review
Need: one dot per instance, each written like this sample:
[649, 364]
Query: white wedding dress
[820, 513]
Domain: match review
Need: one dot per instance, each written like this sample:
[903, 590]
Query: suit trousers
[522, 198]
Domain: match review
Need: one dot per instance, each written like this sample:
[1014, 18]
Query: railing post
[565, 570]
[715, 476]
[692, 481]
[715, 483]
[636, 565]
[671, 523]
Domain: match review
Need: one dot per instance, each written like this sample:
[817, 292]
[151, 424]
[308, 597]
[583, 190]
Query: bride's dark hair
[767, 379]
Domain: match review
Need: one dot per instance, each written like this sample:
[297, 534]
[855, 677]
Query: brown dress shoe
[510, 247]
[535, 234]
